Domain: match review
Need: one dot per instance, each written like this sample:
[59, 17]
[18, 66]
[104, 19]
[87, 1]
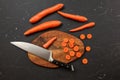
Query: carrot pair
[77, 18]
[83, 36]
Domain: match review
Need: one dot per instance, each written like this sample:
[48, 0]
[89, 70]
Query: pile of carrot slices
[70, 48]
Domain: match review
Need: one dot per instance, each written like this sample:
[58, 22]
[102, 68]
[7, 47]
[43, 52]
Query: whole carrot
[73, 16]
[47, 44]
[43, 26]
[88, 25]
[45, 12]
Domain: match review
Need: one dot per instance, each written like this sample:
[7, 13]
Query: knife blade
[41, 52]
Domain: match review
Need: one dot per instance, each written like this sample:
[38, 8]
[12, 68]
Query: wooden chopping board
[56, 48]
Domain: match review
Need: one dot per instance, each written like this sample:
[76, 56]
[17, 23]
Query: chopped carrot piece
[72, 53]
[71, 40]
[88, 48]
[68, 57]
[82, 36]
[78, 54]
[71, 45]
[89, 36]
[65, 40]
[48, 43]
[85, 61]
[65, 49]
[76, 48]
[64, 44]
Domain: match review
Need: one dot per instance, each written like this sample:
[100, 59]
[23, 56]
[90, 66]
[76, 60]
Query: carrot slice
[82, 36]
[65, 49]
[68, 57]
[72, 53]
[47, 44]
[89, 36]
[71, 45]
[85, 61]
[78, 54]
[65, 40]
[71, 40]
[85, 26]
[64, 44]
[88, 48]
[76, 48]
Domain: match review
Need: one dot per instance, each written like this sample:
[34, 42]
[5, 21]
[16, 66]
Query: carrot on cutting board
[65, 40]
[85, 61]
[72, 53]
[64, 44]
[76, 48]
[68, 57]
[73, 16]
[85, 26]
[45, 12]
[78, 54]
[43, 26]
[66, 49]
[71, 40]
[48, 43]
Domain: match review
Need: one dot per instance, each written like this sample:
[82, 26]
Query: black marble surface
[104, 59]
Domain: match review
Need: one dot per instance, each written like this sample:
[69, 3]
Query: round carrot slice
[76, 48]
[78, 54]
[71, 45]
[65, 40]
[72, 53]
[89, 36]
[88, 48]
[64, 44]
[85, 61]
[65, 49]
[82, 36]
[68, 57]
[71, 40]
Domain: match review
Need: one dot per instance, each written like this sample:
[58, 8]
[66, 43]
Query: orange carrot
[88, 48]
[76, 48]
[71, 40]
[45, 12]
[89, 36]
[82, 36]
[88, 25]
[72, 53]
[73, 16]
[78, 54]
[71, 45]
[47, 44]
[65, 49]
[43, 26]
[85, 61]
[65, 40]
[64, 44]
[68, 57]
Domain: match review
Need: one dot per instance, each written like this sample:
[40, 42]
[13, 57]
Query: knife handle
[61, 64]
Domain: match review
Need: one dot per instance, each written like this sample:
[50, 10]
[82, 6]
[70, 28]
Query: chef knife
[41, 52]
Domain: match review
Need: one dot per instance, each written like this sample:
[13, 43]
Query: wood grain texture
[56, 48]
